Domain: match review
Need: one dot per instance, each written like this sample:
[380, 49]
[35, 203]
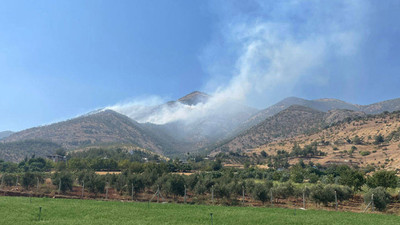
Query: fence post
[107, 191]
[372, 202]
[37, 185]
[59, 188]
[212, 195]
[40, 212]
[304, 198]
[2, 181]
[243, 195]
[83, 188]
[336, 201]
[184, 198]
[272, 198]
[158, 193]
[132, 191]
[16, 184]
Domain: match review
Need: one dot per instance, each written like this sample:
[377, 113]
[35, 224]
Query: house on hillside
[57, 158]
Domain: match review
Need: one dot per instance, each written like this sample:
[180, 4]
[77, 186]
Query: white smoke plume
[273, 46]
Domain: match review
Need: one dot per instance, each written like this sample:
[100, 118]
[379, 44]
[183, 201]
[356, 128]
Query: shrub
[28, 180]
[365, 153]
[66, 181]
[381, 198]
[383, 178]
[283, 190]
[379, 139]
[261, 192]
[9, 179]
[321, 194]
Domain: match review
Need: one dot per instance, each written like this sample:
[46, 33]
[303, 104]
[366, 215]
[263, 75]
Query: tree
[28, 180]
[381, 198]
[260, 192]
[175, 185]
[66, 181]
[352, 178]
[378, 139]
[383, 178]
[356, 140]
[321, 194]
[264, 154]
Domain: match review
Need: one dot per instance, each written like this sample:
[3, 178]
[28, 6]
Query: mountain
[206, 125]
[18, 150]
[191, 122]
[194, 98]
[4, 134]
[93, 129]
[350, 142]
[323, 105]
[290, 122]
[389, 106]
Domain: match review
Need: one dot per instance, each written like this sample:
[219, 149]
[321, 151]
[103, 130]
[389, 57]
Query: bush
[383, 178]
[321, 194]
[283, 190]
[175, 185]
[28, 180]
[261, 192]
[365, 153]
[66, 181]
[9, 179]
[379, 139]
[381, 198]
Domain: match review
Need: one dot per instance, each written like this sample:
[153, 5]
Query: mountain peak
[194, 98]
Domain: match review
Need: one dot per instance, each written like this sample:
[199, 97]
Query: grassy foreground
[19, 210]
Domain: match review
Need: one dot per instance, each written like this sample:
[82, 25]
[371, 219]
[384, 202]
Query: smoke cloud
[261, 52]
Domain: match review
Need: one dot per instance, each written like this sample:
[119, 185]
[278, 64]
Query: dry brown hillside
[351, 142]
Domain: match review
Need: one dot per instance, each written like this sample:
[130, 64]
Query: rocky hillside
[370, 140]
[290, 122]
[18, 150]
[323, 105]
[5, 134]
[93, 129]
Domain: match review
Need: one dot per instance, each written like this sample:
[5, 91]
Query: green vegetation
[17, 210]
[308, 151]
[365, 153]
[381, 198]
[383, 178]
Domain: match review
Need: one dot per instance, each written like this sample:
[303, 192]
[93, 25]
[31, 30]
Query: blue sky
[59, 59]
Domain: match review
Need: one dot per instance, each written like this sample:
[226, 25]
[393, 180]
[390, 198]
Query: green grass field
[19, 210]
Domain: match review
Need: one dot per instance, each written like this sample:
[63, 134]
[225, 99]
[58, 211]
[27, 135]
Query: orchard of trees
[281, 181]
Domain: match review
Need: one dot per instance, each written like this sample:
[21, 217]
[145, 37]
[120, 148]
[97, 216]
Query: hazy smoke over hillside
[262, 51]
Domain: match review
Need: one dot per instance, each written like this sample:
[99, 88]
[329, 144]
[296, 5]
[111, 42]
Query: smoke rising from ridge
[272, 46]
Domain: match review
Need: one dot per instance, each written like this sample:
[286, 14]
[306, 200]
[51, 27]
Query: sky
[61, 59]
